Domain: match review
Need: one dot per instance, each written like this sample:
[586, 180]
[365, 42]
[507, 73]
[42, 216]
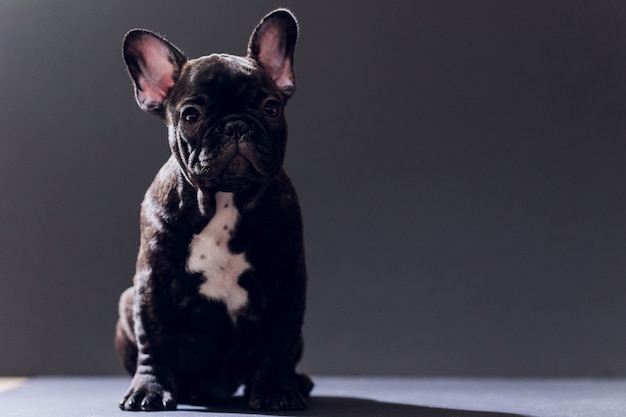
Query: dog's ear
[154, 65]
[272, 45]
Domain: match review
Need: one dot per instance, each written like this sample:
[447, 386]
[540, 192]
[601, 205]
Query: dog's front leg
[276, 385]
[152, 387]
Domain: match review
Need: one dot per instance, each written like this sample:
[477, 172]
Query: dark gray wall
[461, 167]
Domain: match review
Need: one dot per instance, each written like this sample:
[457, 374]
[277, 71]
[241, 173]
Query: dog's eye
[272, 108]
[190, 115]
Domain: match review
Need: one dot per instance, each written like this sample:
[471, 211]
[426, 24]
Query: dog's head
[225, 113]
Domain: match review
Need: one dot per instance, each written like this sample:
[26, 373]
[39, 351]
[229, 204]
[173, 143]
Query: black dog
[219, 291]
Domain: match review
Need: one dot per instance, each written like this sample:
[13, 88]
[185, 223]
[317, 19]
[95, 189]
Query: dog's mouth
[231, 170]
[247, 157]
[238, 174]
[236, 153]
[238, 167]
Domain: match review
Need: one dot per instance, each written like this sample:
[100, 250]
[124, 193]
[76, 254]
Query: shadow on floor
[352, 407]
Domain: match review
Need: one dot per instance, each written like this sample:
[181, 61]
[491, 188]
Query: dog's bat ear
[154, 65]
[272, 45]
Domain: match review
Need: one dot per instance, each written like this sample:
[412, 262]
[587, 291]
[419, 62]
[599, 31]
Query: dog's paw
[146, 393]
[286, 395]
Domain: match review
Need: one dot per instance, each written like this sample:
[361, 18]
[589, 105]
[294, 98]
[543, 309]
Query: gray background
[461, 167]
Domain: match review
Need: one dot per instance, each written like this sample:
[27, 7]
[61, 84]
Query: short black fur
[228, 134]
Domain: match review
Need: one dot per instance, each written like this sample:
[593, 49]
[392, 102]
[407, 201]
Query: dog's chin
[239, 167]
[235, 186]
[239, 174]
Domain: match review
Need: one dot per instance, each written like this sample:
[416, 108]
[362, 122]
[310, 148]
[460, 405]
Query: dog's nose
[235, 128]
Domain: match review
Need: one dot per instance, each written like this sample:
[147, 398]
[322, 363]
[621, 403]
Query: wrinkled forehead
[221, 79]
[221, 69]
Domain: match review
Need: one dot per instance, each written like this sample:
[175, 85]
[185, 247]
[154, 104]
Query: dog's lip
[238, 166]
[238, 160]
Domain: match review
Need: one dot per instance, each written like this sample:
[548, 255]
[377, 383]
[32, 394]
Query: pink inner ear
[155, 91]
[282, 77]
[272, 56]
[157, 72]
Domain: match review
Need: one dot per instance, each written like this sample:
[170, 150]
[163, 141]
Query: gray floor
[348, 397]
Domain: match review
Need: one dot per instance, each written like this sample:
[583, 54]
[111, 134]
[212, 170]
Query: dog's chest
[209, 255]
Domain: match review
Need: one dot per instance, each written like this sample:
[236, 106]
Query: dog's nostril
[235, 128]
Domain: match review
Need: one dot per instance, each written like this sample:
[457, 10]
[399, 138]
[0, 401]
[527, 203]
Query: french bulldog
[218, 296]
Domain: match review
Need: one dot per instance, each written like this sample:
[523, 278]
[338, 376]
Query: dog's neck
[244, 200]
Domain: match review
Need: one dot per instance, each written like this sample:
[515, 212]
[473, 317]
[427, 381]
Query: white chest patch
[209, 255]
